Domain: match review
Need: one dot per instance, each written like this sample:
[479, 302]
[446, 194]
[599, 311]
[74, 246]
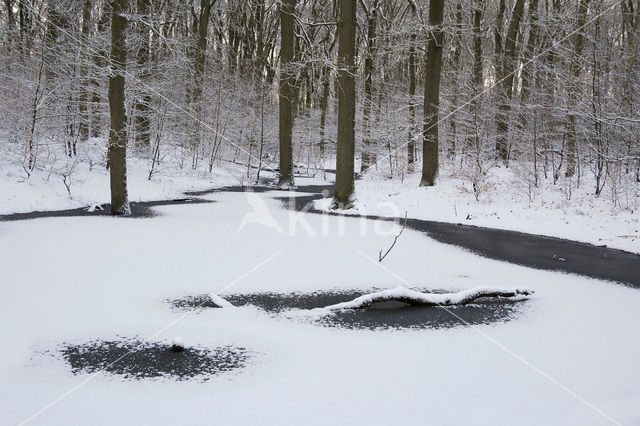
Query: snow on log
[415, 298]
[220, 301]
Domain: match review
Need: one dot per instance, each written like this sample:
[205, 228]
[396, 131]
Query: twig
[382, 256]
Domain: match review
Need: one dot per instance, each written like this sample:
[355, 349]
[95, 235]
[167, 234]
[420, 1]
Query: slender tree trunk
[477, 76]
[199, 62]
[287, 92]
[10, 21]
[83, 128]
[528, 69]
[344, 187]
[575, 70]
[432, 94]
[456, 85]
[324, 106]
[368, 146]
[118, 128]
[506, 82]
[497, 37]
[411, 147]
[99, 62]
[143, 101]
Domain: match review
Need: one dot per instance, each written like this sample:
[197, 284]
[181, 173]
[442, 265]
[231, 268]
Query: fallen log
[416, 298]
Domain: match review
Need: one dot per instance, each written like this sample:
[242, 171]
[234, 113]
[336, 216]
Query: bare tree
[344, 187]
[287, 93]
[118, 128]
[432, 94]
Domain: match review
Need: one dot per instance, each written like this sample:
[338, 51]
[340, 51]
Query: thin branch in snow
[382, 256]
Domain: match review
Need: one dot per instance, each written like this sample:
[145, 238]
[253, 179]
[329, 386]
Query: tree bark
[528, 69]
[10, 21]
[83, 128]
[99, 60]
[324, 105]
[477, 77]
[411, 147]
[506, 82]
[344, 187]
[456, 85]
[199, 62]
[432, 94]
[287, 92]
[118, 127]
[368, 147]
[575, 70]
[143, 101]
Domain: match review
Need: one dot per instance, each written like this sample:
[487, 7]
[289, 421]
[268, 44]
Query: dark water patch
[141, 209]
[196, 302]
[480, 312]
[135, 359]
[382, 316]
[279, 302]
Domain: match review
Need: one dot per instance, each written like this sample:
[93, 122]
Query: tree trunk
[575, 70]
[497, 37]
[143, 101]
[368, 148]
[198, 66]
[99, 62]
[83, 128]
[287, 92]
[10, 21]
[528, 68]
[477, 77]
[456, 85]
[432, 94]
[118, 128]
[411, 147]
[324, 105]
[344, 187]
[506, 82]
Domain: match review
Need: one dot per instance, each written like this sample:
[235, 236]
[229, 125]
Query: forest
[319, 212]
[550, 88]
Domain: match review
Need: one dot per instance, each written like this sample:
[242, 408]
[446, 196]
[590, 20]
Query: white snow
[572, 356]
[220, 301]
[44, 189]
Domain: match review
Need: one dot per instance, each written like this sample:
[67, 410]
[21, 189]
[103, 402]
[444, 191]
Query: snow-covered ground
[45, 188]
[572, 358]
[507, 201]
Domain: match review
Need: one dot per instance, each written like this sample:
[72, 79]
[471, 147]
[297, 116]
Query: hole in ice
[135, 359]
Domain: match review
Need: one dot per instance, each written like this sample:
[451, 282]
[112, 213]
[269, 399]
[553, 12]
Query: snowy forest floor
[505, 198]
[561, 361]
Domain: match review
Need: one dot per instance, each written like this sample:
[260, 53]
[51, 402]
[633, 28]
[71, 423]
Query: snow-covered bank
[507, 202]
[72, 183]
